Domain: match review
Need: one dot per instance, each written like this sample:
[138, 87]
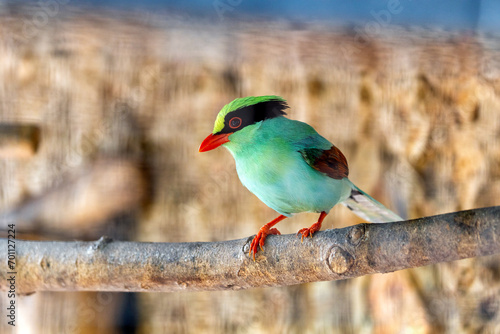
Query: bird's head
[241, 113]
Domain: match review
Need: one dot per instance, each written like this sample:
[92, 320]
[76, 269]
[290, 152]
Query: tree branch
[107, 265]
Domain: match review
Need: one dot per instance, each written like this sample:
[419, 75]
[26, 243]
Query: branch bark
[107, 265]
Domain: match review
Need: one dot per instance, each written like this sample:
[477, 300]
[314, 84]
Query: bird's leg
[264, 231]
[309, 231]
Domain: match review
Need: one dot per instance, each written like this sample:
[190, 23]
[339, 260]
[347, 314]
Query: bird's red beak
[214, 141]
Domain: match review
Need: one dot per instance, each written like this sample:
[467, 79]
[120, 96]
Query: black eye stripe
[253, 114]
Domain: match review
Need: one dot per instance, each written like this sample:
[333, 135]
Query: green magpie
[288, 165]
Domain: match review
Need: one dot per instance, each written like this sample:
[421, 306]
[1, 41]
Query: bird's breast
[280, 177]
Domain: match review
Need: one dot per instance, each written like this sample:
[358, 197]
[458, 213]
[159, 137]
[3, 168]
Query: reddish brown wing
[331, 162]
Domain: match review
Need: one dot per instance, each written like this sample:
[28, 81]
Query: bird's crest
[272, 106]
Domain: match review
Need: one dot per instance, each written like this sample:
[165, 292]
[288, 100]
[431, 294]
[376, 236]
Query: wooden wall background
[122, 102]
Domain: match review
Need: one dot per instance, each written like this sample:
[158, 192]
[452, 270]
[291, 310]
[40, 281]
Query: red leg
[264, 231]
[309, 231]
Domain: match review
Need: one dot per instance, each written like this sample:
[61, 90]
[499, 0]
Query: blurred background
[103, 105]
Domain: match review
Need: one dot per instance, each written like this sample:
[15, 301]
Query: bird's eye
[234, 122]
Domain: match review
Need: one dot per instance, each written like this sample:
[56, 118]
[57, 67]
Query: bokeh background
[103, 106]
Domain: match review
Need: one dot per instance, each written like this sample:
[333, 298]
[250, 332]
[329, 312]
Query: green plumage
[278, 160]
[310, 155]
[270, 165]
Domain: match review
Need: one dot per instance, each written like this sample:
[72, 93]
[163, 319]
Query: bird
[288, 165]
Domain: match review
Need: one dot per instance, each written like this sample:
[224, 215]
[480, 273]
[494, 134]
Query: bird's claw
[308, 231]
[260, 238]
[304, 233]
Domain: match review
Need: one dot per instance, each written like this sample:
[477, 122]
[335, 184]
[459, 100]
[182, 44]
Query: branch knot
[339, 260]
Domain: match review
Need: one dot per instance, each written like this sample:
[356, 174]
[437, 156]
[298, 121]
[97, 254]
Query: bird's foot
[260, 238]
[309, 231]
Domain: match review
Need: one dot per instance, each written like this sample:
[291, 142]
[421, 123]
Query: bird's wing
[323, 156]
[317, 151]
[333, 163]
[330, 162]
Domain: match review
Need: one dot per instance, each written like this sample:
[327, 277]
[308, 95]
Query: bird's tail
[368, 208]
